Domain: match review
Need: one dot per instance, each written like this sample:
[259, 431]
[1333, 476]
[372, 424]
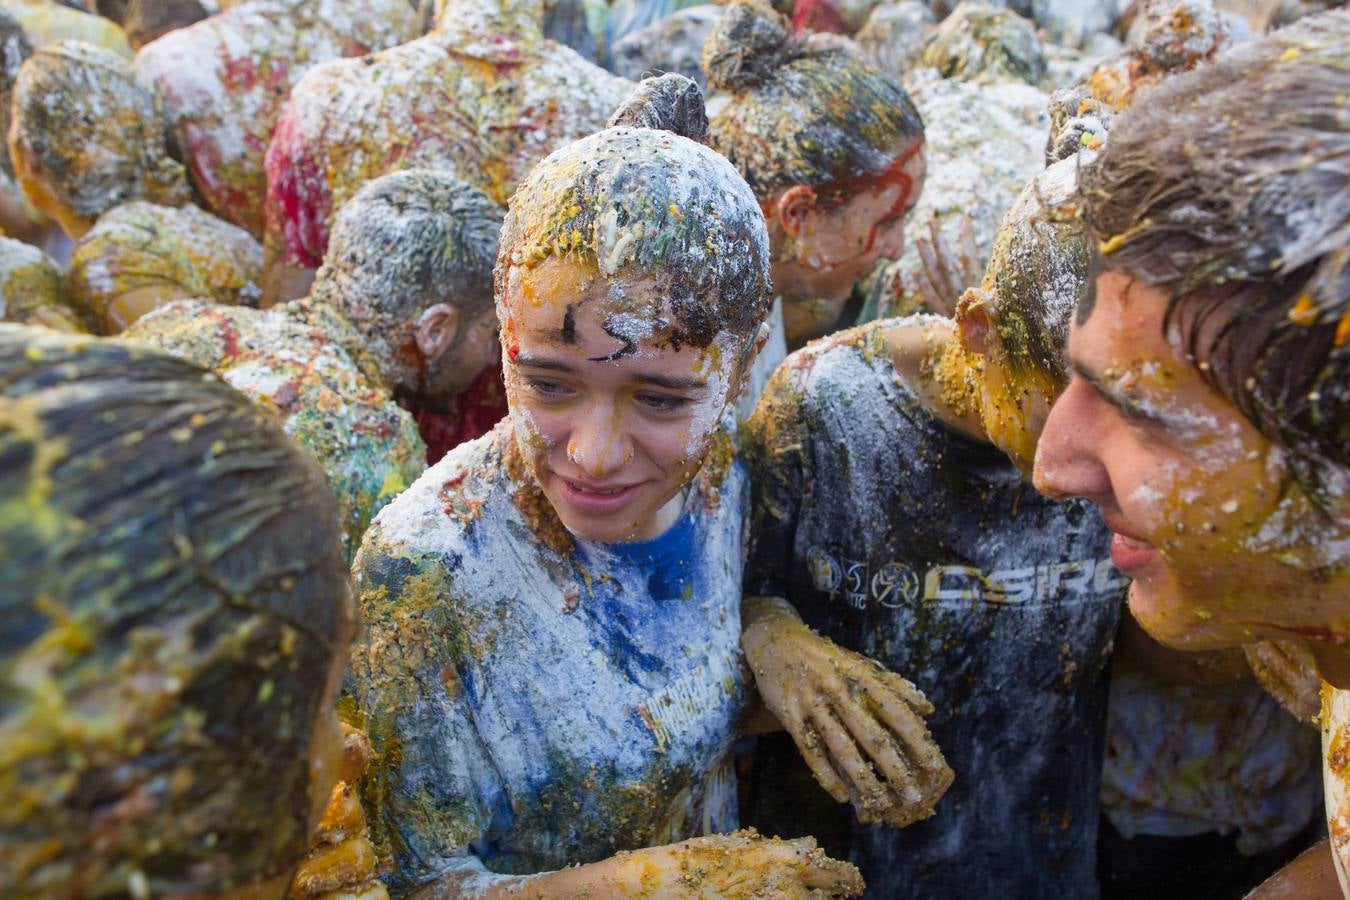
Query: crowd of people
[646, 448]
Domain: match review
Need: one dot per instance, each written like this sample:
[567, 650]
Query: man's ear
[977, 322]
[793, 207]
[437, 328]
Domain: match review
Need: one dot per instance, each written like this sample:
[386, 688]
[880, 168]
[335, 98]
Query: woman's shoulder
[437, 514]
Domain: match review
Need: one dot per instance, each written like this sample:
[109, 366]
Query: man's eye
[662, 402]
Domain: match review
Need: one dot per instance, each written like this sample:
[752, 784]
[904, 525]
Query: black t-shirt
[898, 537]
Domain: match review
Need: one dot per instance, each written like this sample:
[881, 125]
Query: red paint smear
[475, 413]
[816, 15]
[513, 352]
[298, 195]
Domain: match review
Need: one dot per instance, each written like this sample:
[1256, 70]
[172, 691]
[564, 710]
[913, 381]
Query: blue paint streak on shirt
[669, 566]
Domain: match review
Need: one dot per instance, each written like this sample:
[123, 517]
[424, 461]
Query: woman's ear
[748, 361]
[977, 322]
[793, 207]
[437, 328]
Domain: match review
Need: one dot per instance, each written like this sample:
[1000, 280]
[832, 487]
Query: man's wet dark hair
[1229, 187]
[174, 599]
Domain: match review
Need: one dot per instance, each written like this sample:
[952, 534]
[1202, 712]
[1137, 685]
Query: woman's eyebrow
[540, 362]
[672, 382]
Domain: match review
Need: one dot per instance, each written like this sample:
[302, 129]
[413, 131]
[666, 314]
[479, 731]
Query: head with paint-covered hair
[173, 628]
[1209, 411]
[832, 148]
[410, 265]
[632, 283]
[86, 137]
[1018, 318]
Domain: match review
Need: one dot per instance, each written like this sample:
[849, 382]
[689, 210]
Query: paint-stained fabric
[900, 538]
[488, 104]
[224, 80]
[305, 364]
[1183, 760]
[539, 701]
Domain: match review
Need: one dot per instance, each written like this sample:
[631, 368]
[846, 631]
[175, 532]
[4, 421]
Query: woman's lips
[598, 499]
[1131, 554]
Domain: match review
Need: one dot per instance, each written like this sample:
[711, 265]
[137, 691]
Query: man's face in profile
[1208, 523]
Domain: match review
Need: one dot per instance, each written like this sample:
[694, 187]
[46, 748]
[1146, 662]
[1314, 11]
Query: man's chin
[1172, 622]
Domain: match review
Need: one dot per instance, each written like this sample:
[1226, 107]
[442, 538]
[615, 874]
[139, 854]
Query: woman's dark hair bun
[667, 102]
[748, 45]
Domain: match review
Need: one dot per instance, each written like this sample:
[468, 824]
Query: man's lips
[1129, 552]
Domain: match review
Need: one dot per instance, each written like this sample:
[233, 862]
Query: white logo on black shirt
[895, 585]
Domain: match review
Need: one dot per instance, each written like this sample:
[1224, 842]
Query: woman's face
[612, 419]
[828, 247]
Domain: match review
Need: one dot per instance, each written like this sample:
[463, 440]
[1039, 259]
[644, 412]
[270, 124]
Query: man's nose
[1068, 463]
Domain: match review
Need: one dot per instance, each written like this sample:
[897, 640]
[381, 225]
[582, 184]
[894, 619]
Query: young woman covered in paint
[551, 669]
[832, 148]
[222, 84]
[402, 308]
[484, 94]
[1209, 413]
[890, 506]
[173, 629]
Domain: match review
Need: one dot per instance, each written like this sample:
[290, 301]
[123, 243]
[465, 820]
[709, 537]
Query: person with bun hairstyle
[833, 149]
[174, 626]
[551, 672]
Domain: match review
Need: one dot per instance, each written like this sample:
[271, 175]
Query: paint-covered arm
[742, 864]
[1311, 876]
[432, 788]
[858, 726]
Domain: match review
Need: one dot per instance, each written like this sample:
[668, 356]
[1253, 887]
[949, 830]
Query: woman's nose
[599, 445]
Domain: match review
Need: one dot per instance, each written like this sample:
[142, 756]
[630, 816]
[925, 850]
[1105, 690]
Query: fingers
[877, 743]
[833, 876]
[922, 752]
[900, 685]
[970, 252]
[812, 749]
[869, 794]
[1288, 672]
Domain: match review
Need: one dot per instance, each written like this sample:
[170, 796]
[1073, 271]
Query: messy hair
[801, 112]
[407, 241]
[1036, 272]
[79, 110]
[175, 594]
[1230, 188]
[646, 193]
